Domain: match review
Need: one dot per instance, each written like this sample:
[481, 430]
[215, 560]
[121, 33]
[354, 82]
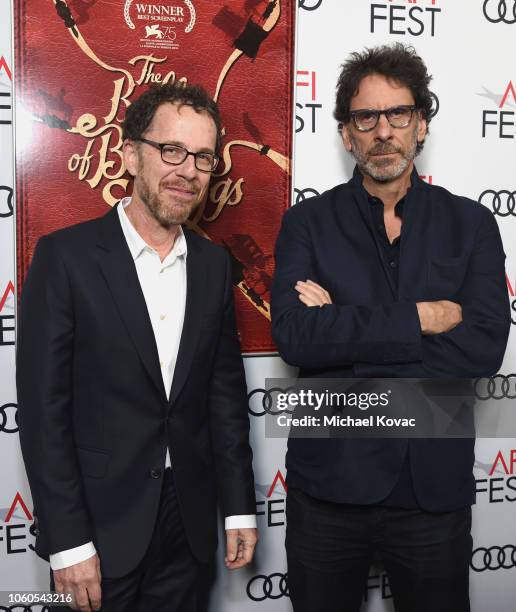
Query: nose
[383, 130]
[187, 169]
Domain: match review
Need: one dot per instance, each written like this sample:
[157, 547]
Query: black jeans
[330, 548]
[169, 578]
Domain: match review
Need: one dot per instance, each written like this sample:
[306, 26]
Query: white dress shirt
[163, 285]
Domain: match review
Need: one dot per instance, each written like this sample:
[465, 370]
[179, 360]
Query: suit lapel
[194, 308]
[117, 266]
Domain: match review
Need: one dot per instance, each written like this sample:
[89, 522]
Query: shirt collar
[398, 209]
[137, 244]
[358, 181]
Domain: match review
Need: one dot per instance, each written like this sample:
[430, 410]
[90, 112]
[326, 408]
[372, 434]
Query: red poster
[79, 63]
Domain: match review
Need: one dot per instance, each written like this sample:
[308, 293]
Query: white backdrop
[468, 46]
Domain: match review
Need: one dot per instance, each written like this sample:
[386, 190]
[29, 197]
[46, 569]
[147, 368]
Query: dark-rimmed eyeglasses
[366, 119]
[176, 155]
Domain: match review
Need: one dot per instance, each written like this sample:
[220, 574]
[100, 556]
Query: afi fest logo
[500, 11]
[6, 78]
[307, 108]
[501, 121]
[7, 316]
[409, 18]
[377, 585]
[272, 507]
[499, 483]
[16, 524]
[511, 287]
[159, 23]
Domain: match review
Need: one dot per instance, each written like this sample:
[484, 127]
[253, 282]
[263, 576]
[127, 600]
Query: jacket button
[155, 473]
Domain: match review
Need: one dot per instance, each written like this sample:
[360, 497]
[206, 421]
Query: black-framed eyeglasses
[366, 119]
[176, 155]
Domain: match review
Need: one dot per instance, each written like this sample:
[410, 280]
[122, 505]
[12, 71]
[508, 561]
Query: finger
[309, 287]
[248, 553]
[81, 599]
[318, 292]
[321, 289]
[242, 561]
[231, 545]
[313, 293]
[311, 283]
[95, 595]
[307, 301]
[236, 564]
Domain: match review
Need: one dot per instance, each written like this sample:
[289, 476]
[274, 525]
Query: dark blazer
[93, 413]
[450, 250]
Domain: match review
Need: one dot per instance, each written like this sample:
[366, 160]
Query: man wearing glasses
[385, 276]
[132, 397]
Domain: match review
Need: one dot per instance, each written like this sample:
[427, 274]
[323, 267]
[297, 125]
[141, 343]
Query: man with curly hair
[132, 398]
[385, 276]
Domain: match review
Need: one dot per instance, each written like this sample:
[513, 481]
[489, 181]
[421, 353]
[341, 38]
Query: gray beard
[383, 170]
[164, 217]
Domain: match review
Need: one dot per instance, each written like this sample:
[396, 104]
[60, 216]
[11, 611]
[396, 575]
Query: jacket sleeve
[45, 396]
[475, 348]
[229, 418]
[335, 334]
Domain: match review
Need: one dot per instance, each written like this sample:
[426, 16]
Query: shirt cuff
[240, 521]
[69, 557]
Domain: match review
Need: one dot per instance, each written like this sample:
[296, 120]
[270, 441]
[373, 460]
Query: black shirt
[402, 495]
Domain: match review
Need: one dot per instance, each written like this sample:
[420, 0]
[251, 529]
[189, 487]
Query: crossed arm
[434, 317]
[447, 338]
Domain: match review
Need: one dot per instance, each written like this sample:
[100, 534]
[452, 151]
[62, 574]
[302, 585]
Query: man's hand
[82, 581]
[240, 544]
[312, 294]
[438, 317]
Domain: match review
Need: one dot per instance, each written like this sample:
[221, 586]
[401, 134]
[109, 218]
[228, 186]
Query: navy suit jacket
[450, 250]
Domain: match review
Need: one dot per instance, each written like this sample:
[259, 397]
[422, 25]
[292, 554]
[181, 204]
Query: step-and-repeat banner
[468, 46]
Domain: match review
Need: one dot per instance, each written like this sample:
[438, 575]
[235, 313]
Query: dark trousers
[330, 548]
[169, 578]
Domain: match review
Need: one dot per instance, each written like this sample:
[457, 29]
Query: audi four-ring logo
[309, 5]
[494, 558]
[502, 202]
[496, 387]
[9, 418]
[263, 587]
[303, 194]
[498, 11]
[21, 609]
[261, 401]
[436, 105]
[9, 201]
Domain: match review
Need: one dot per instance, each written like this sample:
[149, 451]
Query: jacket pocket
[94, 463]
[446, 276]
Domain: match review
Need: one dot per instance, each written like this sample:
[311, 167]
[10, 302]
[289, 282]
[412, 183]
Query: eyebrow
[178, 143]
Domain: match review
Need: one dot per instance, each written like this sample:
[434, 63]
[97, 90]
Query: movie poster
[79, 63]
